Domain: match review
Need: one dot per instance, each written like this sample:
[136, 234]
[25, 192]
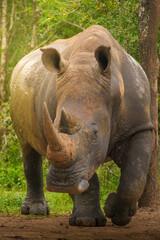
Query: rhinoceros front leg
[121, 206]
[34, 202]
[86, 209]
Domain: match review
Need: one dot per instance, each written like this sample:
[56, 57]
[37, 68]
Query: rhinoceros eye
[94, 132]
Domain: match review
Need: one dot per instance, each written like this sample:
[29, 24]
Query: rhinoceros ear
[103, 57]
[52, 60]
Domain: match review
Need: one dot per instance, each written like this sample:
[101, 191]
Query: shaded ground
[144, 226]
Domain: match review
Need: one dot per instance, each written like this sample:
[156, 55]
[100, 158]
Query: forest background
[32, 24]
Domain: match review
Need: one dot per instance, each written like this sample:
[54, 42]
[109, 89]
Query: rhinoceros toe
[87, 221]
[35, 208]
[119, 214]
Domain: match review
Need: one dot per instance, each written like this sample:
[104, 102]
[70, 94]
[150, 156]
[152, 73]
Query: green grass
[59, 203]
[10, 202]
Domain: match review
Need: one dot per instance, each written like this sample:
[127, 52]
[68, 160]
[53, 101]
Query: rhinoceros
[81, 102]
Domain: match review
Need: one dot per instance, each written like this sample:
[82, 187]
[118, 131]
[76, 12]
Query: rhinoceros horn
[68, 124]
[61, 148]
[53, 138]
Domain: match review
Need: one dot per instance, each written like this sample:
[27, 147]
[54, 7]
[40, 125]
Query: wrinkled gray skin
[80, 102]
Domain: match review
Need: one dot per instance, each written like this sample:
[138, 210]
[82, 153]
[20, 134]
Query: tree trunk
[12, 16]
[34, 28]
[148, 18]
[3, 70]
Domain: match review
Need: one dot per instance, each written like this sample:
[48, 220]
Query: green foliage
[11, 169]
[109, 175]
[11, 201]
[59, 203]
[64, 19]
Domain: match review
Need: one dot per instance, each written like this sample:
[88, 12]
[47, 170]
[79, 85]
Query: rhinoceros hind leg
[121, 206]
[86, 210]
[34, 202]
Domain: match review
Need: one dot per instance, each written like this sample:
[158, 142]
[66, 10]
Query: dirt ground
[144, 226]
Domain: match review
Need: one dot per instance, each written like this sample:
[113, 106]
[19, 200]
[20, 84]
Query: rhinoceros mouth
[72, 189]
[66, 180]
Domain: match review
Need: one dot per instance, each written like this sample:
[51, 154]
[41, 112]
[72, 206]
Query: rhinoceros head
[79, 136]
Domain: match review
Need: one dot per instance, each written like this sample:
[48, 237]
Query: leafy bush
[11, 167]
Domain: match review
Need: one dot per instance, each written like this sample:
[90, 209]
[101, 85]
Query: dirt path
[144, 226]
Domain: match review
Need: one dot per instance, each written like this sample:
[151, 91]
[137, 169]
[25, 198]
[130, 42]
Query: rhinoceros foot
[39, 207]
[120, 214]
[87, 221]
[86, 210]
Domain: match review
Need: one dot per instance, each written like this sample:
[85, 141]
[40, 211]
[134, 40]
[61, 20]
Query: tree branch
[73, 24]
